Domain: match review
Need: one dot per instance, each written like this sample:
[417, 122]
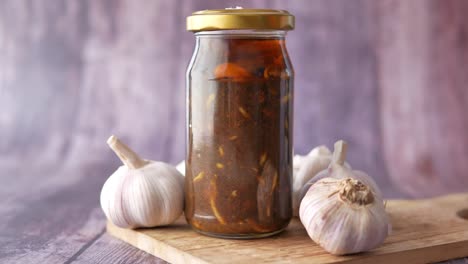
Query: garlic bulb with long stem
[342, 213]
[141, 193]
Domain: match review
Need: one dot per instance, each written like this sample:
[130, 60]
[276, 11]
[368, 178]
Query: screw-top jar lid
[239, 18]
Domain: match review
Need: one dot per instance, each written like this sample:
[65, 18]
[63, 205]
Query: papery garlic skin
[341, 172]
[305, 168]
[341, 223]
[146, 197]
[338, 168]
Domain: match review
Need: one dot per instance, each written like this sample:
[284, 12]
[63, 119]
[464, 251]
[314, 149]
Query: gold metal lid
[239, 18]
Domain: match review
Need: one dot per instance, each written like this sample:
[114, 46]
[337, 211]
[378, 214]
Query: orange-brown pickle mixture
[239, 157]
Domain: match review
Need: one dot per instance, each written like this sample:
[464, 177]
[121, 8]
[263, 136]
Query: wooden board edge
[419, 255]
[453, 197]
[435, 253]
[145, 243]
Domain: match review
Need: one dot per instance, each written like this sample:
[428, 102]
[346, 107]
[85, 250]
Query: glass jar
[239, 123]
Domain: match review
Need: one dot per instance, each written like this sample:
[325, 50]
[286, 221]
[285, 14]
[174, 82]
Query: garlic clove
[142, 193]
[319, 150]
[344, 216]
[299, 160]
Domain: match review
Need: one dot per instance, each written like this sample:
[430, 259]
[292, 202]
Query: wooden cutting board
[423, 231]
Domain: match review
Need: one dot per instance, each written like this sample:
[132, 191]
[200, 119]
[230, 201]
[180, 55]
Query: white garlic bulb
[141, 193]
[306, 168]
[344, 215]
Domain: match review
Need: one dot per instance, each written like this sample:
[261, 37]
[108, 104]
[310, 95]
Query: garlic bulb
[306, 168]
[141, 193]
[344, 214]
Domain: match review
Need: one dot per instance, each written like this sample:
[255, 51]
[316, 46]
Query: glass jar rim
[243, 33]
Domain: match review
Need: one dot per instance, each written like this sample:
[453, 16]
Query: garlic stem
[125, 154]
[355, 192]
[339, 153]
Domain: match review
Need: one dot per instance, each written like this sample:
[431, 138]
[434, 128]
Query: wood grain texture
[423, 70]
[107, 249]
[423, 231]
[48, 216]
[73, 72]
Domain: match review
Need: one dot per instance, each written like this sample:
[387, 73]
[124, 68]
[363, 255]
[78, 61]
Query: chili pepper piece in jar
[232, 71]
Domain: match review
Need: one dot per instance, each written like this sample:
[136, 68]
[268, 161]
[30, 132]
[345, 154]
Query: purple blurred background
[390, 77]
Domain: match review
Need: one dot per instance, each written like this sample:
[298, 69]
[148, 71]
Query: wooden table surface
[52, 215]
